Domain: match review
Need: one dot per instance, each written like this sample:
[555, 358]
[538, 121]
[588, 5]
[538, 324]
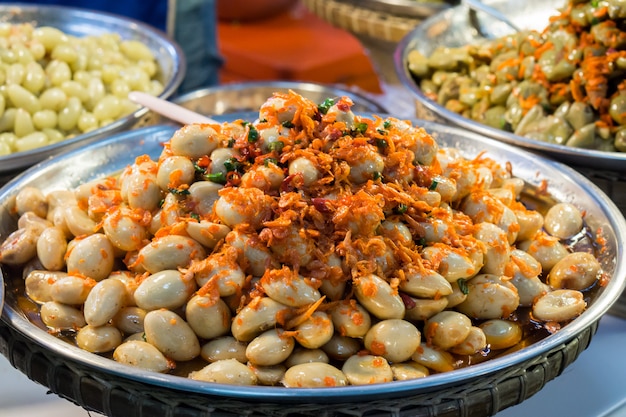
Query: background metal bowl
[80, 22]
[456, 27]
[249, 96]
[100, 384]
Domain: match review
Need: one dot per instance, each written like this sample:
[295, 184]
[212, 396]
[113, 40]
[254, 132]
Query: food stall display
[306, 251]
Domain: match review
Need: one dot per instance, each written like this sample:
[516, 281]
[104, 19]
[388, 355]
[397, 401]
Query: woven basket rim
[363, 21]
[66, 377]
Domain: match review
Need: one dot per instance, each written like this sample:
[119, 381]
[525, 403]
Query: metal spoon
[477, 5]
[168, 109]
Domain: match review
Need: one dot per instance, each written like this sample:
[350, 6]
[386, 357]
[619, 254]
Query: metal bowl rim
[600, 306]
[362, 96]
[14, 161]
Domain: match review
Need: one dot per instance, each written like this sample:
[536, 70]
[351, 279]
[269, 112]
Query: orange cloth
[294, 46]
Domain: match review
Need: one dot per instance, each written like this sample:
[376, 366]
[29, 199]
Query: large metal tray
[99, 384]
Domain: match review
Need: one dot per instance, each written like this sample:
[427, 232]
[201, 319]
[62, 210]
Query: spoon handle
[478, 5]
[169, 109]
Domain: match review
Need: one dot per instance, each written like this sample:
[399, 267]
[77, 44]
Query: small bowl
[100, 384]
[249, 96]
[82, 22]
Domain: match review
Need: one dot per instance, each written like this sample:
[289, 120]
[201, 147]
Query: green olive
[482, 75]
[555, 69]
[514, 114]
[557, 129]
[440, 77]
[479, 109]
[494, 117]
[418, 64]
[620, 139]
[456, 106]
[617, 9]
[617, 109]
[505, 66]
[449, 91]
[583, 137]
[428, 87]
[529, 121]
[470, 95]
[562, 109]
[528, 41]
[451, 88]
[538, 135]
[563, 39]
[608, 35]
[594, 50]
[529, 89]
[500, 93]
[591, 10]
[579, 16]
[449, 59]
[579, 115]
[528, 66]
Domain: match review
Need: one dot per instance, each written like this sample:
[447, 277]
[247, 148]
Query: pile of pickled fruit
[56, 86]
[311, 247]
[563, 85]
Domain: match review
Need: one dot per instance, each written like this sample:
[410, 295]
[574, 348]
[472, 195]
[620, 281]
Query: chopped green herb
[327, 104]
[288, 124]
[195, 216]
[387, 124]
[218, 177]
[433, 185]
[382, 143]
[161, 202]
[401, 208]
[594, 3]
[381, 131]
[422, 241]
[232, 164]
[378, 176]
[268, 161]
[176, 191]
[463, 285]
[198, 168]
[276, 146]
[231, 143]
[361, 127]
[253, 134]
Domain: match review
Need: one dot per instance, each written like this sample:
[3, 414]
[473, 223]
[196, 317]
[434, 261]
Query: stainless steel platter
[100, 384]
[460, 26]
[81, 22]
